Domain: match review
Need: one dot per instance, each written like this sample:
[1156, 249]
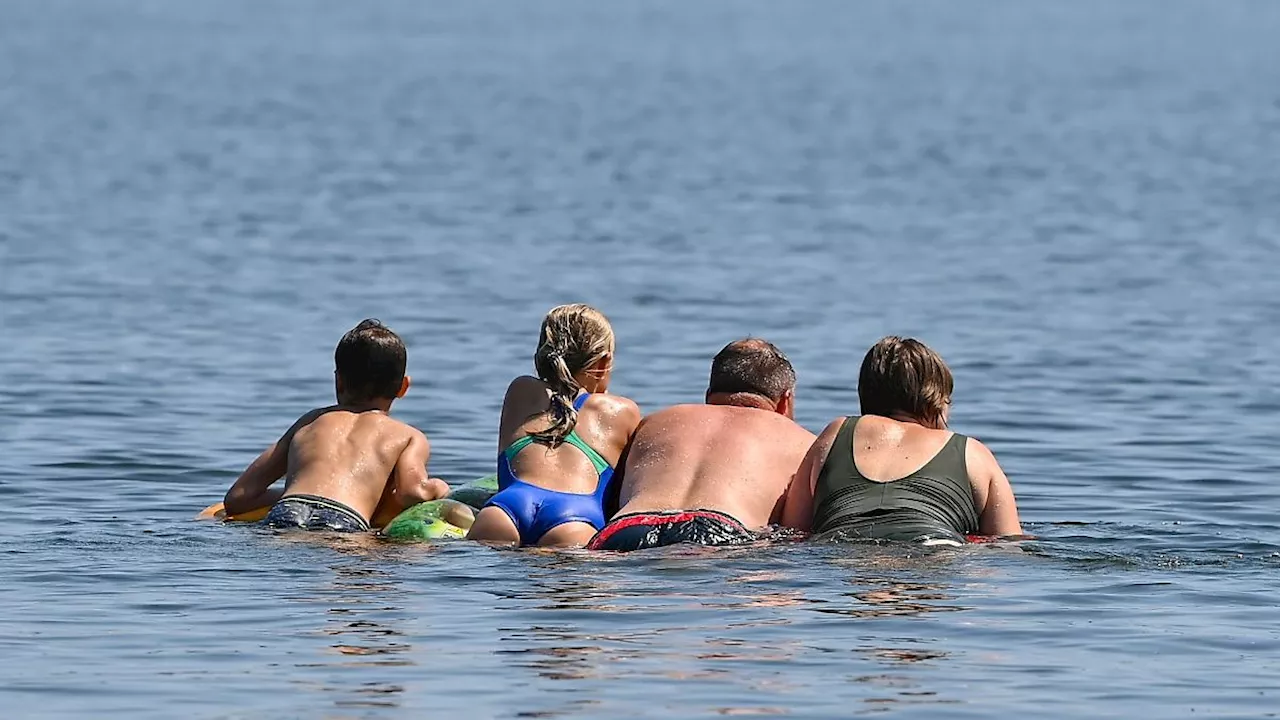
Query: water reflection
[362, 626]
[895, 587]
[888, 582]
[691, 615]
[887, 597]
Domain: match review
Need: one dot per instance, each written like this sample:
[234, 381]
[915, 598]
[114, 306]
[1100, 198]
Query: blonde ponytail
[573, 338]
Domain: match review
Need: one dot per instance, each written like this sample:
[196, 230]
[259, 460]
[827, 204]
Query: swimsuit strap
[599, 462]
[572, 439]
[518, 445]
[528, 440]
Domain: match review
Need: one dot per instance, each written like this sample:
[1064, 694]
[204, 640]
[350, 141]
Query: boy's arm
[252, 490]
[411, 485]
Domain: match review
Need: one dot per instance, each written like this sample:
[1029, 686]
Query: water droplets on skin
[195, 203]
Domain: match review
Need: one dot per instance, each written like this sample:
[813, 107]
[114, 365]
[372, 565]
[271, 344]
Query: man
[713, 474]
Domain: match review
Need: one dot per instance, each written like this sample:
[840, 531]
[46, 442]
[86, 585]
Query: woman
[897, 473]
[560, 437]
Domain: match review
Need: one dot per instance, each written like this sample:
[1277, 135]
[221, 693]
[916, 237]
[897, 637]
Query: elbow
[238, 501]
[425, 491]
[233, 503]
[437, 488]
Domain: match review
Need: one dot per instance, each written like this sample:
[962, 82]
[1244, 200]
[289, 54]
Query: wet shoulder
[784, 426]
[390, 435]
[675, 414]
[614, 415]
[675, 418]
[978, 458]
[612, 405]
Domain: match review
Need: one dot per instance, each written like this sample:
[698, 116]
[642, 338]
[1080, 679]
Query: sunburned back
[347, 457]
[734, 460]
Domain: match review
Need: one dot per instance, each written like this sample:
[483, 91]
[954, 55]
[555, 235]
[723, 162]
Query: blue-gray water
[1077, 203]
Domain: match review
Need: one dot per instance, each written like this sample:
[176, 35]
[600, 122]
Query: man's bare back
[734, 460]
[713, 474]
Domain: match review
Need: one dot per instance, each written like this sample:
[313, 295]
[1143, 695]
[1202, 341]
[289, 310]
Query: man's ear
[787, 404]
[404, 386]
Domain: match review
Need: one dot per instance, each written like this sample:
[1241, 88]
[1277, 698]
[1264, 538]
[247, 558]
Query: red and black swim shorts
[637, 531]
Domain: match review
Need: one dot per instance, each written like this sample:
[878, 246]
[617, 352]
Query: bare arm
[252, 490]
[411, 483]
[613, 500]
[798, 511]
[993, 495]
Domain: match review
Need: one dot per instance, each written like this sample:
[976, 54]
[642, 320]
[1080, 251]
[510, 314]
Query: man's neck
[743, 399]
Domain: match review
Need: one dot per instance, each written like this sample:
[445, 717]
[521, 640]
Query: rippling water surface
[1077, 203]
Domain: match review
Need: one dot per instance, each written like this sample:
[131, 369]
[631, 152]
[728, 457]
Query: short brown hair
[371, 360]
[754, 366]
[903, 375]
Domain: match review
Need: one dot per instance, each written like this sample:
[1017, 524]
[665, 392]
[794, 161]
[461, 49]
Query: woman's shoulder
[976, 453]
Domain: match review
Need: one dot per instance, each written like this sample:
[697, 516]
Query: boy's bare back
[356, 458]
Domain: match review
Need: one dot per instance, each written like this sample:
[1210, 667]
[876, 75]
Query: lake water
[1077, 203]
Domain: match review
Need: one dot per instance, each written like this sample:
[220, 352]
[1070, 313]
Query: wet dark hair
[371, 360]
[903, 375]
[752, 366]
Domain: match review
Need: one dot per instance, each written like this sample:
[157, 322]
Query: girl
[560, 438]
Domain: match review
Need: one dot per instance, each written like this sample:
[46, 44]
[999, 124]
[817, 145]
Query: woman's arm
[797, 512]
[993, 495]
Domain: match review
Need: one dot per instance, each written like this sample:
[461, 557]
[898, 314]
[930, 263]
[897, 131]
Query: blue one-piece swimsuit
[536, 510]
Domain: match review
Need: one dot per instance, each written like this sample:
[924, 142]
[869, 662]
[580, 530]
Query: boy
[349, 466]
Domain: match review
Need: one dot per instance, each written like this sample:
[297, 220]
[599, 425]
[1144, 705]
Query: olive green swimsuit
[932, 503]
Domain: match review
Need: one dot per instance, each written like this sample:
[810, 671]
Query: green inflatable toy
[447, 518]
[477, 492]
